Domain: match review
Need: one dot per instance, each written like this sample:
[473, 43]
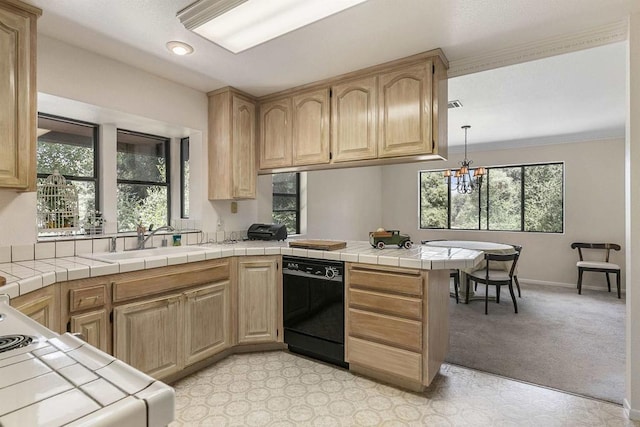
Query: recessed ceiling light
[237, 25]
[179, 48]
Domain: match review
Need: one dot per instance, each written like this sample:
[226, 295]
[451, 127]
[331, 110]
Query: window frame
[297, 198]
[96, 155]
[167, 152]
[184, 142]
[484, 204]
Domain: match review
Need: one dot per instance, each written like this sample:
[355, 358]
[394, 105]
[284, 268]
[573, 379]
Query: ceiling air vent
[455, 104]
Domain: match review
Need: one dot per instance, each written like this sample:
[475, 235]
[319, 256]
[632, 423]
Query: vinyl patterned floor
[282, 389]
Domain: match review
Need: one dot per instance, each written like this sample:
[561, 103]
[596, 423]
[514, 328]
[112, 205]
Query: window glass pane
[285, 183]
[66, 147]
[543, 198]
[284, 203]
[184, 176]
[505, 209]
[141, 157]
[139, 202]
[86, 197]
[285, 208]
[433, 200]
[288, 218]
[464, 208]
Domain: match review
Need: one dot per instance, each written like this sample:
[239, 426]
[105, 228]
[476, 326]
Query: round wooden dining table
[488, 247]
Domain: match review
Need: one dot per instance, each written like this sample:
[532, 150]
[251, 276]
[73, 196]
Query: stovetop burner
[11, 342]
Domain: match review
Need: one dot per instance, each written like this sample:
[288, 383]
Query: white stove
[48, 379]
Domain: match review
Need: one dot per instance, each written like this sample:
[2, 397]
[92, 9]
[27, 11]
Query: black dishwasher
[313, 300]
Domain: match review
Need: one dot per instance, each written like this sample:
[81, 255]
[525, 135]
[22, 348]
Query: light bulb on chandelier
[466, 179]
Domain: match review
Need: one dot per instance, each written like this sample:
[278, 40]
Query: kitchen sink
[141, 253]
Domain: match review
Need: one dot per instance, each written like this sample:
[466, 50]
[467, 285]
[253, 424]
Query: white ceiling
[577, 95]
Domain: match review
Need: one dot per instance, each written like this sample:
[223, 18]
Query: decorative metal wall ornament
[467, 179]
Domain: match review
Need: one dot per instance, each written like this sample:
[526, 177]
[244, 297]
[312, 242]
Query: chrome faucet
[142, 240]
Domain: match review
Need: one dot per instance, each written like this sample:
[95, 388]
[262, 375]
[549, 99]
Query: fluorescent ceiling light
[238, 25]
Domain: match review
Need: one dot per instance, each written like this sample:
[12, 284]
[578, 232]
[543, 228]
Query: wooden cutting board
[322, 245]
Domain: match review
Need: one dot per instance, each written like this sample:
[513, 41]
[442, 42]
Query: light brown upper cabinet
[354, 120]
[311, 128]
[18, 95]
[405, 111]
[275, 134]
[389, 113]
[232, 142]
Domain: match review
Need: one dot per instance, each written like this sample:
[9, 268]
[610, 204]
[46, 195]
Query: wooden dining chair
[605, 266]
[518, 249]
[495, 277]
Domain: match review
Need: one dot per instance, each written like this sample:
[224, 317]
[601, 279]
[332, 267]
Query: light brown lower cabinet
[94, 327]
[258, 300]
[396, 323]
[42, 306]
[163, 335]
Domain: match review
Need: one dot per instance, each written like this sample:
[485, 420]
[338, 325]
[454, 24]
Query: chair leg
[497, 294]
[608, 282]
[486, 298]
[513, 297]
[517, 285]
[579, 281]
[456, 283]
[475, 286]
[618, 282]
[466, 298]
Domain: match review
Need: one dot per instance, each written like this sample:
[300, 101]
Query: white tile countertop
[26, 276]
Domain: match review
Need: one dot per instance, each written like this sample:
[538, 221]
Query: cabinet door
[275, 134]
[257, 301]
[405, 111]
[206, 321]
[311, 128]
[353, 120]
[148, 335]
[41, 305]
[244, 140]
[93, 326]
[17, 92]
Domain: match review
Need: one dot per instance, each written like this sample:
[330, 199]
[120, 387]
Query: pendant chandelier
[467, 179]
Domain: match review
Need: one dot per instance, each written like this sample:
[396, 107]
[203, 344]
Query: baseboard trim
[568, 285]
[632, 414]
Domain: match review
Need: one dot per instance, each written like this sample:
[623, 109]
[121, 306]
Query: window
[143, 182]
[286, 201]
[70, 147]
[512, 198]
[184, 177]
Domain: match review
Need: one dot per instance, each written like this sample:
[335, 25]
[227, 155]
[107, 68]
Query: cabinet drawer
[84, 298]
[383, 358]
[396, 305]
[166, 279]
[403, 283]
[388, 329]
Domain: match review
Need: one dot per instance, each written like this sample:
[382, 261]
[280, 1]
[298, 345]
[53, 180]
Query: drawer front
[168, 279]
[387, 329]
[383, 358]
[409, 284]
[84, 298]
[396, 305]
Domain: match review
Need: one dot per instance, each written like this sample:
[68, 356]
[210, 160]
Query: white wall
[344, 204]
[594, 206]
[105, 91]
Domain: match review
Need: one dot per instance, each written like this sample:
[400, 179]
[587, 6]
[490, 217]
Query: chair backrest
[517, 248]
[503, 258]
[607, 247]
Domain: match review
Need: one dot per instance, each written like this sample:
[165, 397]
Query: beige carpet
[558, 339]
[282, 389]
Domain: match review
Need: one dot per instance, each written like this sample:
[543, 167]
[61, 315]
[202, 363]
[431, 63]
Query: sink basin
[142, 253]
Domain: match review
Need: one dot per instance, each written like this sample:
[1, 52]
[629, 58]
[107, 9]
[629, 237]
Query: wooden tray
[322, 245]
